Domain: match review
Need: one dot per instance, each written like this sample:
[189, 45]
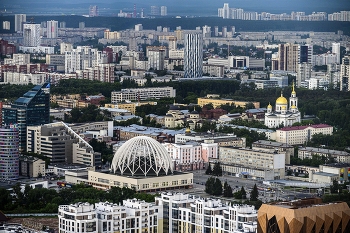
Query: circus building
[304, 216]
[283, 114]
[141, 163]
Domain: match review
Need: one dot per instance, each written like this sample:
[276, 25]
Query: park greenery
[216, 171]
[241, 194]
[213, 186]
[42, 200]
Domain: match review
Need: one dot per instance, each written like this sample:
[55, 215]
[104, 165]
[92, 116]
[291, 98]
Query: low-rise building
[31, 167]
[256, 164]
[274, 146]
[218, 102]
[298, 135]
[329, 172]
[309, 152]
[135, 94]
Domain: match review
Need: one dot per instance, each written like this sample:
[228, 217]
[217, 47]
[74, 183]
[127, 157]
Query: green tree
[244, 193]
[209, 171]
[217, 170]
[254, 194]
[217, 188]
[209, 185]
[335, 187]
[227, 190]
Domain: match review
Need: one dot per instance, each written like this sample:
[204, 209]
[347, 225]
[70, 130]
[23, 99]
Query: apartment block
[137, 94]
[217, 102]
[308, 152]
[298, 135]
[274, 147]
[31, 167]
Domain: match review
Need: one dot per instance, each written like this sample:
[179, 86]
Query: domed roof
[281, 100]
[269, 106]
[142, 156]
[293, 106]
[284, 108]
[188, 130]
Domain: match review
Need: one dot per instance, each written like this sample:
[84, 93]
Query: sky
[175, 7]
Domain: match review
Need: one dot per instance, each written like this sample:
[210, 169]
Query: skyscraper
[336, 50]
[9, 154]
[19, 20]
[52, 29]
[31, 34]
[30, 110]
[163, 11]
[288, 57]
[154, 10]
[226, 11]
[193, 60]
[93, 11]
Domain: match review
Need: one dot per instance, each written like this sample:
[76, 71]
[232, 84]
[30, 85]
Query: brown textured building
[304, 216]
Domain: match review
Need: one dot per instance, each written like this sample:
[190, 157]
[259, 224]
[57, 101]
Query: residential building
[156, 56]
[131, 107]
[81, 58]
[31, 34]
[30, 110]
[345, 74]
[185, 213]
[213, 70]
[52, 29]
[193, 57]
[19, 20]
[61, 144]
[18, 59]
[31, 167]
[336, 51]
[288, 57]
[137, 94]
[256, 164]
[298, 135]
[217, 102]
[163, 11]
[278, 147]
[303, 216]
[6, 25]
[93, 11]
[309, 152]
[9, 153]
[328, 173]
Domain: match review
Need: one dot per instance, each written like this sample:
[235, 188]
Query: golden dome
[188, 130]
[284, 108]
[281, 100]
[293, 106]
[269, 106]
[293, 90]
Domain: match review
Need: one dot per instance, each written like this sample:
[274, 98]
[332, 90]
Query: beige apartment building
[298, 135]
[31, 167]
[218, 102]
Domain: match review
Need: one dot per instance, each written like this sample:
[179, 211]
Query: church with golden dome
[283, 114]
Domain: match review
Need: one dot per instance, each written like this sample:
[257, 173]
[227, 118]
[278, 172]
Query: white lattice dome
[142, 156]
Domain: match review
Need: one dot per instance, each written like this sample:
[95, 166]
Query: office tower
[288, 57]
[226, 11]
[30, 110]
[81, 25]
[163, 11]
[19, 20]
[52, 29]
[31, 34]
[336, 50]
[93, 11]
[154, 10]
[305, 54]
[193, 60]
[6, 25]
[63, 24]
[304, 73]
[9, 153]
[345, 74]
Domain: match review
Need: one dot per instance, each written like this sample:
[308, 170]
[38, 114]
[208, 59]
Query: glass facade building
[193, 59]
[30, 110]
[9, 153]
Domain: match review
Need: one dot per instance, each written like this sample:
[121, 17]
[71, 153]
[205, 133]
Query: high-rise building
[52, 29]
[93, 11]
[163, 11]
[305, 54]
[172, 45]
[155, 10]
[288, 57]
[31, 34]
[81, 58]
[193, 60]
[30, 110]
[206, 31]
[345, 74]
[336, 50]
[156, 56]
[9, 153]
[19, 20]
[6, 25]
[63, 24]
[81, 25]
[226, 11]
[303, 73]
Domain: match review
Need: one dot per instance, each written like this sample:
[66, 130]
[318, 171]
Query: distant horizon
[180, 7]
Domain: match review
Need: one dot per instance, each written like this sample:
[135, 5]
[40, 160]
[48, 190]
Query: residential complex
[171, 212]
[338, 156]
[193, 57]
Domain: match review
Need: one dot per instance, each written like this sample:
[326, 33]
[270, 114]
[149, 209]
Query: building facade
[345, 74]
[9, 153]
[19, 20]
[30, 110]
[31, 34]
[137, 94]
[52, 29]
[193, 59]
